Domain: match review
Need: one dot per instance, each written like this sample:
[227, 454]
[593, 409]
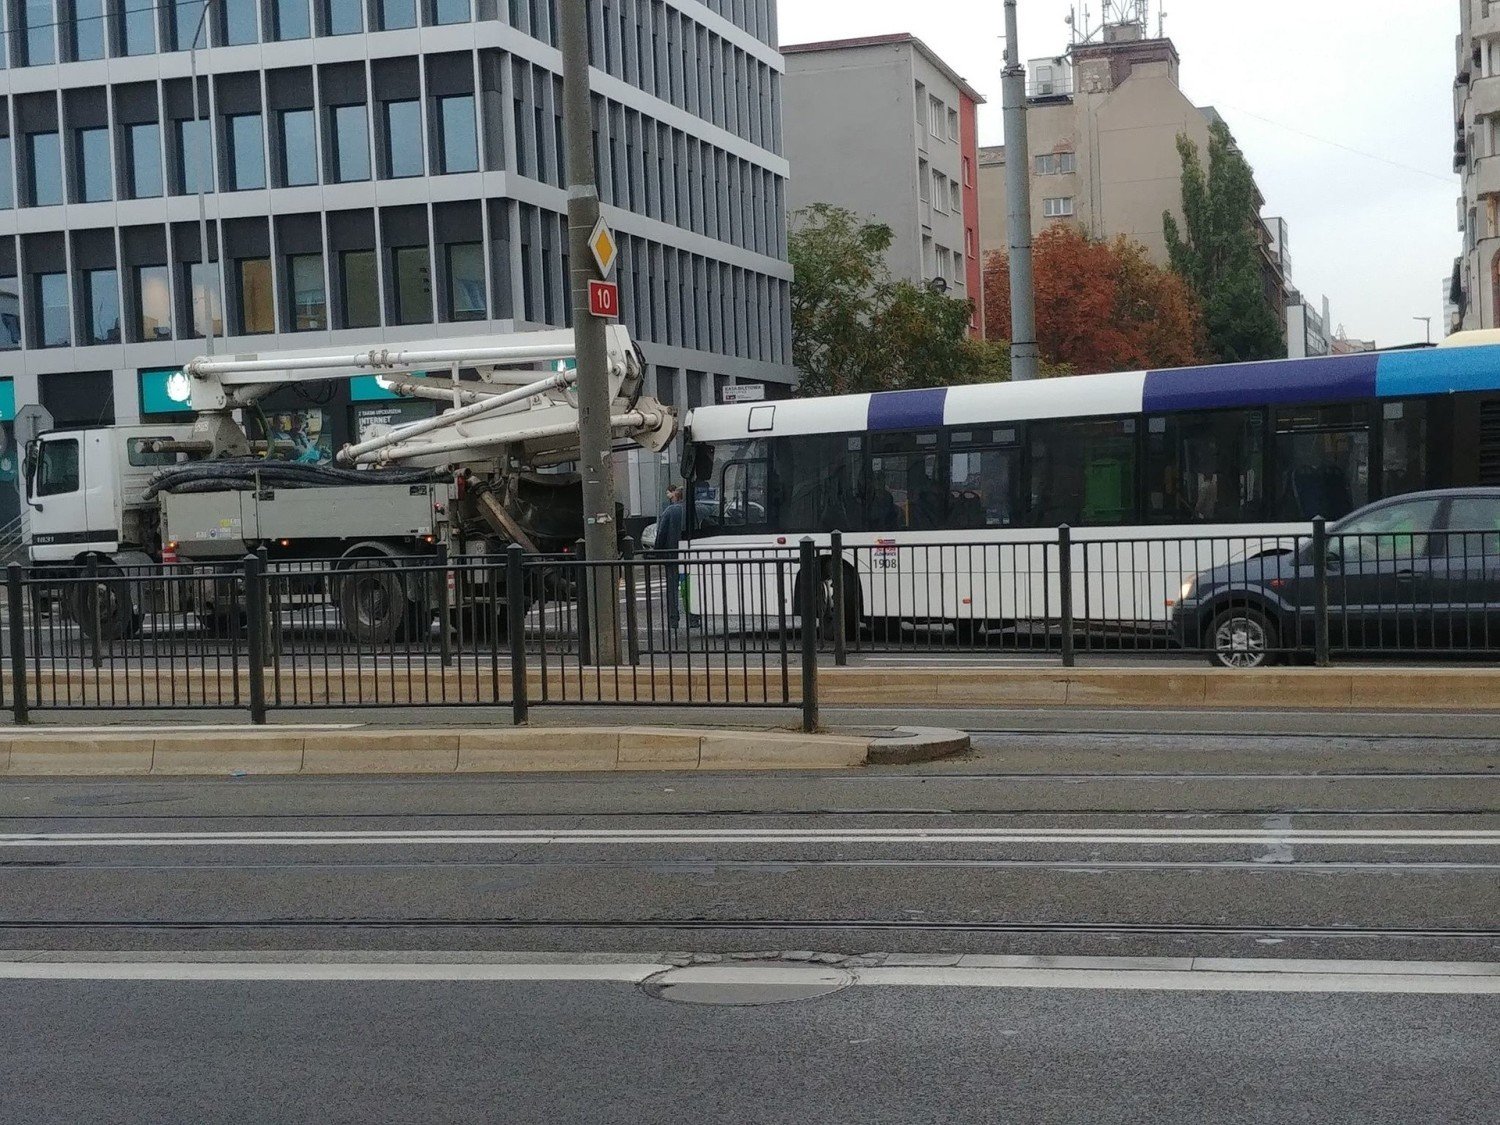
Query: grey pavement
[444, 1053]
[1270, 847]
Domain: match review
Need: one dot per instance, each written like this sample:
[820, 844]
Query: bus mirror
[702, 463]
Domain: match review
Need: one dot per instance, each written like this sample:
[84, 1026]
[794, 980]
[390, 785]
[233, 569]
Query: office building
[377, 171]
[1474, 292]
[883, 127]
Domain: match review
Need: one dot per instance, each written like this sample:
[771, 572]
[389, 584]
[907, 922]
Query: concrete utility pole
[205, 130]
[1023, 351]
[596, 438]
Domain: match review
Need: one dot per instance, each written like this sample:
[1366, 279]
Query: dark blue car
[1414, 573]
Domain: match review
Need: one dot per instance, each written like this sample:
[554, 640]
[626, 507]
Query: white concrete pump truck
[478, 476]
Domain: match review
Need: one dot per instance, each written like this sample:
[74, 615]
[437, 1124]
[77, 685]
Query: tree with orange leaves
[1100, 306]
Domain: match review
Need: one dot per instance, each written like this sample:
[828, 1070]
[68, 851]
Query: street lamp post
[1426, 320]
[199, 32]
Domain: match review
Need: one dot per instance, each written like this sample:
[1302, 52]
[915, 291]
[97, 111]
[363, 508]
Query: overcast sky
[1375, 229]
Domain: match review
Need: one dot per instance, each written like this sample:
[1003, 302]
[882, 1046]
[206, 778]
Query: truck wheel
[373, 602]
[103, 609]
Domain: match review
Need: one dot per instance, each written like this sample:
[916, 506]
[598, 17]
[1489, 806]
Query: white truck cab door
[59, 499]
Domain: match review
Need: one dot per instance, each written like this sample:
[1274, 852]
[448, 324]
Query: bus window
[815, 482]
[1322, 462]
[906, 489]
[737, 495]
[1083, 473]
[1403, 448]
[982, 486]
[1205, 468]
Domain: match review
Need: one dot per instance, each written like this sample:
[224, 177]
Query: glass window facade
[466, 281]
[88, 29]
[138, 27]
[10, 313]
[396, 14]
[460, 144]
[413, 285]
[291, 19]
[257, 300]
[351, 143]
[7, 177]
[143, 148]
[194, 164]
[299, 147]
[153, 303]
[52, 314]
[343, 17]
[101, 313]
[360, 295]
[450, 11]
[309, 304]
[37, 32]
[186, 15]
[44, 155]
[203, 292]
[240, 22]
[247, 156]
[403, 135]
[95, 179]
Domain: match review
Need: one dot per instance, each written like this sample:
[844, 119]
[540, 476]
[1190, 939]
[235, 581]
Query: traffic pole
[596, 438]
[1023, 346]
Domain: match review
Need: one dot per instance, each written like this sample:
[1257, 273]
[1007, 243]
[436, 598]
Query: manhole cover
[746, 985]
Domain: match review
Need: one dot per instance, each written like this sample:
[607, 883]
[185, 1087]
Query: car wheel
[1242, 638]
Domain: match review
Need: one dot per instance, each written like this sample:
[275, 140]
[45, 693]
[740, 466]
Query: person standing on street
[669, 527]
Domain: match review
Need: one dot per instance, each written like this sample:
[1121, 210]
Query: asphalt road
[489, 948]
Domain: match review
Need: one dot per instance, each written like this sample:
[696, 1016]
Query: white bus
[949, 501]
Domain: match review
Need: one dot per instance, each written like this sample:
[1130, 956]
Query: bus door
[1001, 576]
[905, 506]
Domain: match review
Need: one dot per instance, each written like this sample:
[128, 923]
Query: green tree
[1216, 249]
[855, 330]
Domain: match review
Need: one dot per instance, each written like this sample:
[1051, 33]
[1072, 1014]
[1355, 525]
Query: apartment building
[1102, 126]
[376, 171]
[882, 126]
[1474, 292]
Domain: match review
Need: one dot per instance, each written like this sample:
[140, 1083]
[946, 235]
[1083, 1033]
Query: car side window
[1475, 524]
[1389, 534]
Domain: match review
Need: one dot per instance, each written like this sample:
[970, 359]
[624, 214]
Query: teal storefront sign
[367, 388]
[154, 397]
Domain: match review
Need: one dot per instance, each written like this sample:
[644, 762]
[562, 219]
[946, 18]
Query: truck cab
[85, 490]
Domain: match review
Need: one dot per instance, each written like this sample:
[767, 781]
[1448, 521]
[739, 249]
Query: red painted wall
[968, 139]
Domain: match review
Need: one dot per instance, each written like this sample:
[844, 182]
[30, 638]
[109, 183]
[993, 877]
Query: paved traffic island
[325, 750]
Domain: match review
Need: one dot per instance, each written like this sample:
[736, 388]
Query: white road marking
[1199, 837]
[1079, 973]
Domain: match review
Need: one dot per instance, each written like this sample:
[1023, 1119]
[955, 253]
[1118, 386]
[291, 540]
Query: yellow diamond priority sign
[606, 250]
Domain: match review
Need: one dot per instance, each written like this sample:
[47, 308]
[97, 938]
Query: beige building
[1474, 295]
[1102, 124]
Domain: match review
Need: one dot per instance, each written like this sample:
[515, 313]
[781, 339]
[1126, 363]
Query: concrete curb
[1280, 689]
[318, 751]
[911, 745]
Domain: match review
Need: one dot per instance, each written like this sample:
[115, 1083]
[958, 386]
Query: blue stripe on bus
[907, 410]
[1437, 371]
[1261, 384]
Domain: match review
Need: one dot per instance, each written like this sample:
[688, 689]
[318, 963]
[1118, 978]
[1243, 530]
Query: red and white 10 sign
[604, 299]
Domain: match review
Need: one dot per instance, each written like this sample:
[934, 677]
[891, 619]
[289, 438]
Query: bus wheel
[827, 610]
